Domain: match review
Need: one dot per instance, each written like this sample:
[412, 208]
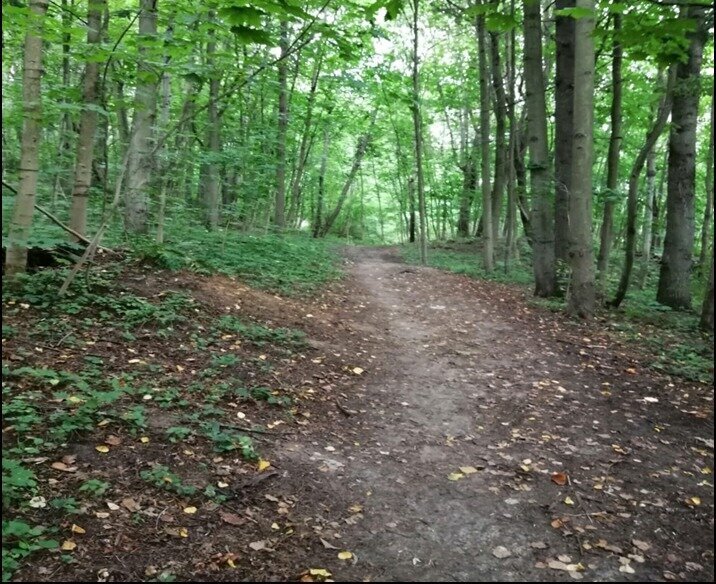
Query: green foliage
[20, 539]
[18, 482]
[161, 477]
[94, 487]
[261, 335]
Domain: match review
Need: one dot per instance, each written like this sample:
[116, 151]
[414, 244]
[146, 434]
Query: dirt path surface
[576, 462]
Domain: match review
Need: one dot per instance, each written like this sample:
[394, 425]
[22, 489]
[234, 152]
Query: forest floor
[436, 427]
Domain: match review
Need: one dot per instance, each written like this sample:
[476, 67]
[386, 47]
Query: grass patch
[292, 264]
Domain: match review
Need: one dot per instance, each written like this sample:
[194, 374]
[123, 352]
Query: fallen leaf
[328, 545]
[345, 555]
[231, 518]
[357, 370]
[501, 552]
[355, 508]
[258, 545]
[568, 501]
[112, 506]
[693, 501]
[468, 470]
[559, 478]
[538, 545]
[63, 467]
[455, 476]
[77, 529]
[557, 523]
[68, 545]
[113, 440]
[190, 510]
[38, 502]
[263, 465]
[642, 545]
[130, 505]
[320, 572]
[144, 439]
[627, 569]
[102, 448]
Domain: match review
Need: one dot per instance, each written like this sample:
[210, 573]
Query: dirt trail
[464, 374]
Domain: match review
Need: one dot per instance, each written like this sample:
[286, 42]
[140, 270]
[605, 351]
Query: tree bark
[707, 309]
[709, 208]
[581, 256]
[675, 276]
[317, 224]
[648, 215]
[563, 127]
[652, 136]
[542, 213]
[418, 132]
[88, 123]
[21, 223]
[139, 170]
[280, 203]
[498, 185]
[488, 240]
[615, 140]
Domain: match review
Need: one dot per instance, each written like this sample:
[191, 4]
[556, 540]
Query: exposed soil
[578, 462]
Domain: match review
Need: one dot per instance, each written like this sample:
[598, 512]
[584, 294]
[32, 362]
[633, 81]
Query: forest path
[461, 373]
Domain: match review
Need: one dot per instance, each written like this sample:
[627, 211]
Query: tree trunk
[675, 276]
[412, 219]
[213, 176]
[363, 142]
[280, 204]
[139, 170]
[563, 127]
[305, 142]
[615, 140]
[581, 256]
[652, 136]
[709, 208]
[542, 214]
[88, 123]
[648, 215]
[498, 185]
[707, 309]
[164, 166]
[418, 132]
[21, 223]
[488, 249]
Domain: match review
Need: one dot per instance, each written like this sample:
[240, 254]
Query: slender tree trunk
[280, 204]
[412, 219]
[363, 142]
[648, 215]
[511, 250]
[305, 141]
[563, 130]
[21, 223]
[139, 170]
[418, 127]
[709, 207]
[213, 175]
[63, 182]
[652, 136]
[542, 213]
[607, 230]
[488, 249]
[162, 155]
[707, 309]
[581, 256]
[88, 123]
[675, 276]
[498, 185]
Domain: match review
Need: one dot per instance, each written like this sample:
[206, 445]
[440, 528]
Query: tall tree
[498, 185]
[709, 207]
[675, 276]
[21, 222]
[542, 214]
[488, 237]
[581, 255]
[140, 160]
[615, 140]
[212, 185]
[280, 204]
[88, 122]
[563, 131]
[418, 130]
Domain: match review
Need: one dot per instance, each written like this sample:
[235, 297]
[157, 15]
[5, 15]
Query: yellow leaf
[263, 465]
[231, 563]
[345, 555]
[321, 572]
[694, 501]
[68, 545]
[706, 470]
[568, 501]
[144, 439]
[183, 532]
[102, 448]
[455, 476]
[357, 370]
[190, 510]
[275, 525]
[222, 484]
[468, 470]
[77, 529]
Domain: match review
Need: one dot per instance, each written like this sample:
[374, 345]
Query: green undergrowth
[61, 392]
[292, 264]
[670, 338]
